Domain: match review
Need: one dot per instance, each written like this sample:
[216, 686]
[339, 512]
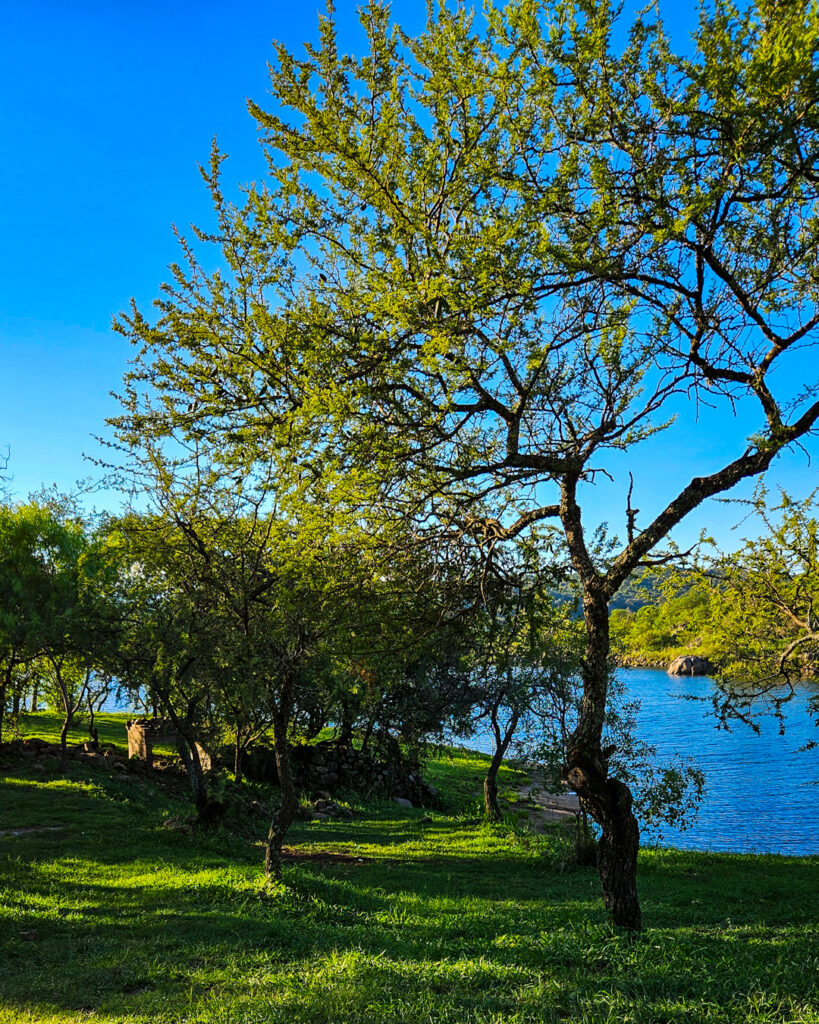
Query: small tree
[764, 622]
[42, 613]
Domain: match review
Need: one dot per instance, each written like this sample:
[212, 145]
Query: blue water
[762, 793]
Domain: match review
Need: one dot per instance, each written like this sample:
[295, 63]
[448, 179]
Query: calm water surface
[761, 792]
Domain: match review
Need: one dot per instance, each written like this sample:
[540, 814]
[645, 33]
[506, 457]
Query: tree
[764, 628]
[41, 608]
[486, 259]
[526, 665]
[235, 596]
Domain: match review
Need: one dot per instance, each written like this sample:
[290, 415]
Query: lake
[761, 793]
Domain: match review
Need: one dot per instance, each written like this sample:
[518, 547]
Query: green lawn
[441, 921]
[47, 725]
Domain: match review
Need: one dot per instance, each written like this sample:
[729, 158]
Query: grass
[439, 921]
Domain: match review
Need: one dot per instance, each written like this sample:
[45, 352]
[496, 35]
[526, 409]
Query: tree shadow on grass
[133, 919]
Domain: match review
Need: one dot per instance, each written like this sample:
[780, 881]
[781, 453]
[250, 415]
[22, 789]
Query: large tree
[489, 258]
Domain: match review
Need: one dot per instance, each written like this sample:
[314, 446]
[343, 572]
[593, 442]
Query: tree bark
[286, 811]
[490, 783]
[186, 745]
[238, 756]
[64, 742]
[606, 799]
[367, 734]
[5, 686]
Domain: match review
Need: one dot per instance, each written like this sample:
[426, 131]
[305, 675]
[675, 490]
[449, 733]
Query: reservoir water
[762, 793]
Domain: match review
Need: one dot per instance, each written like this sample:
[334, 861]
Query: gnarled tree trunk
[606, 799]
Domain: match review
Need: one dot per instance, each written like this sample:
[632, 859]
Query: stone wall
[329, 766]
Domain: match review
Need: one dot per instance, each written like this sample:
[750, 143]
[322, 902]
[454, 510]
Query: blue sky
[107, 107]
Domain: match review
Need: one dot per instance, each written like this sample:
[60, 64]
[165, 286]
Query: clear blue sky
[107, 107]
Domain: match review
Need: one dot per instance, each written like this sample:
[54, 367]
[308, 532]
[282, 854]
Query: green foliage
[53, 609]
[767, 601]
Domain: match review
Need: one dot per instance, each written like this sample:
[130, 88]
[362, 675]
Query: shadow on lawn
[135, 944]
[131, 918]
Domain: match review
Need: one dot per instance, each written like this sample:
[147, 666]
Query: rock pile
[320, 767]
[330, 766]
[45, 755]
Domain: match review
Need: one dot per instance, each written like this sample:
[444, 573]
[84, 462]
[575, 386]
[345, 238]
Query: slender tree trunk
[33, 703]
[64, 740]
[490, 783]
[286, 811]
[238, 756]
[345, 736]
[367, 734]
[92, 732]
[5, 685]
[186, 745]
[606, 799]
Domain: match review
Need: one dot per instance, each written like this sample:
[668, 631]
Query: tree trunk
[186, 745]
[490, 783]
[33, 704]
[286, 811]
[345, 735]
[64, 741]
[606, 799]
[3, 688]
[367, 733]
[93, 733]
[238, 757]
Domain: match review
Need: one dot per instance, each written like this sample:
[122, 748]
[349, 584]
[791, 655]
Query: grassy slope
[447, 921]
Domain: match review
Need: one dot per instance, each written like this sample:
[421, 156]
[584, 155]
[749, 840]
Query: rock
[426, 820]
[319, 816]
[30, 936]
[177, 824]
[258, 808]
[690, 665]
[402, 802]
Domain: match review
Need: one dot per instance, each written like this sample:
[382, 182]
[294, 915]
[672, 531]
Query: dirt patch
[323, 857]
[29, 829]
[544, 807]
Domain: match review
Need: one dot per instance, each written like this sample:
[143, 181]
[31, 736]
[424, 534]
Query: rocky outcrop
[691, 665]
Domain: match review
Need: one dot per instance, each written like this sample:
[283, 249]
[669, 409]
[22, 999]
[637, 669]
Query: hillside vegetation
[656, 633]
